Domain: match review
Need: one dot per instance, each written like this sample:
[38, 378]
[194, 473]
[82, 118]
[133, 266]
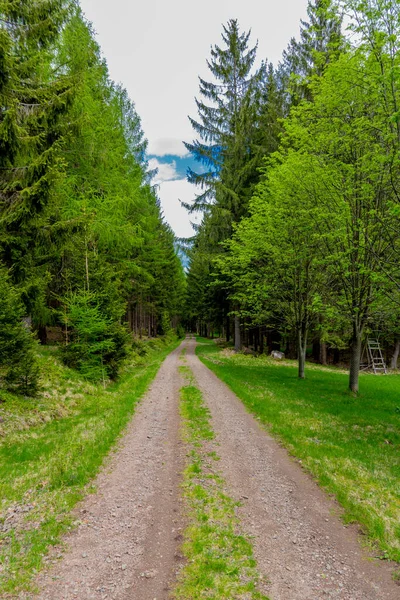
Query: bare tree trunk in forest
[395, 357]
[269, 342]
[301, 351]
[316, 350]
[355, 358]
[228, 329]
[261, 340]
[238, 342]
[42, 334]
[323, 356]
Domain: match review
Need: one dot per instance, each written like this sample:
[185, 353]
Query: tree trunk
[42, 334]
[269, 342]
[316, 350]
[238, 343]
[323, 354]
[256, 339]
[262, 341]
[228, 329]
[355, 359]
[301, 352]
[395, 357]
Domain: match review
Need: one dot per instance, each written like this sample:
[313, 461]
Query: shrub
[18, 362]
[180, 331]
[96, 345]
[165, 323]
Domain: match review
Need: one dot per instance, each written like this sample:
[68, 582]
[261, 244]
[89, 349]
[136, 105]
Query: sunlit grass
[351, 445]
[51, 448]
[220, 563]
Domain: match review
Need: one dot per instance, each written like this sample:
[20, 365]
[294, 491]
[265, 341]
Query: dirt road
[127, 545]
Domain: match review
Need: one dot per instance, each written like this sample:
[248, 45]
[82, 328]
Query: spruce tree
[33, 100]
[19, 369]
[224, 116]
[321, 42]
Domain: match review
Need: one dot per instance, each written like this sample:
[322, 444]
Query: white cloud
[170, 192]
[164, 146]
[158, 49]
[166, 171]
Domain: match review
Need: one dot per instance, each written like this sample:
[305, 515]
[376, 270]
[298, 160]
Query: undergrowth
[220, 563]
[51, 447]
[351, 445]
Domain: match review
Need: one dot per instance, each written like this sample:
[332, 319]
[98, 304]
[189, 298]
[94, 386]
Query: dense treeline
[83, 246]
[300, 188]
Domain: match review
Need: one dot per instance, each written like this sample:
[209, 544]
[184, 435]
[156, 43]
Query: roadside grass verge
[220, 563]
[350, 445]
[51, 447]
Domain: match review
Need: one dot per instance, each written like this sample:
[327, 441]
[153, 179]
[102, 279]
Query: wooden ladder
[375, 356]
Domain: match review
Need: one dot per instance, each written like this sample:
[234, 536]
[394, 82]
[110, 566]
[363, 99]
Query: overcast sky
[158, 49]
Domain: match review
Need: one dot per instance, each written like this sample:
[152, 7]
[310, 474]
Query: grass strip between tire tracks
[50, 455]
[220, 563]
[351, 445]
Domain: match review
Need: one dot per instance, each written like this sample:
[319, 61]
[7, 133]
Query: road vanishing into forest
[128, 541]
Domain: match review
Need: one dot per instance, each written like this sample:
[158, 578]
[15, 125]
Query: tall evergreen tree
[321, 41]
[225, 120]
[34, 97]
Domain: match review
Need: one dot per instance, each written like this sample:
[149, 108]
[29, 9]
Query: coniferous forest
[298, 185]
[84, 251]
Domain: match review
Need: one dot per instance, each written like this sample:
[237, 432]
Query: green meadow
[351, 445]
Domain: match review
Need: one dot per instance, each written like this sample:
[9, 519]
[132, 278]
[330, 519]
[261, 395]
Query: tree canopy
[311, 254]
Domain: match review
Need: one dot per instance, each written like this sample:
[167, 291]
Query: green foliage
[315, 251]
[96, 344]
[78, 217]
[180, 331]
[321, 42]
[226, 123]
[165, 323]
[33, 104]
[18, 363]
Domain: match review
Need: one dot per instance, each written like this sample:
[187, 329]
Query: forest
[299, 184]
[150, 446]
[298, 188]
[86, 257]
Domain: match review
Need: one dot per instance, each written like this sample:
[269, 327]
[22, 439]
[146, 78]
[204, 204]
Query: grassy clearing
[351, 445]
[51, 447]
[220, 563]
